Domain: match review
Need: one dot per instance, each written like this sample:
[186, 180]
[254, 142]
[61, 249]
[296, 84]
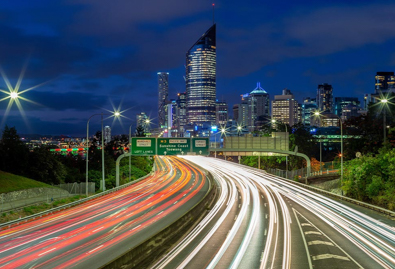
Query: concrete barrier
[150, 250]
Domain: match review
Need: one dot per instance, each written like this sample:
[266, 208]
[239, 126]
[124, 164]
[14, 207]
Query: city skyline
[90, 56]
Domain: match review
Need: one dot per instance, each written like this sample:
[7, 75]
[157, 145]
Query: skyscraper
[221, 109]
[309, 106]
[181, 113]
[163, 93]
[285, 108]
[201, 79]
[325, 97]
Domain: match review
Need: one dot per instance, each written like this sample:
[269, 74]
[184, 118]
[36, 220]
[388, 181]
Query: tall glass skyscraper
[163, 93]
[201, 79]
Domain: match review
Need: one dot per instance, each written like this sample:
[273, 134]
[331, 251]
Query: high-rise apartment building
[107, 134]
[141, 120]
[201, 79]
[240, 114]
[181, 113]
[384, 82]
[341, 102]
[221, 113]
[325, 97]
[285, 108]
[163, 93]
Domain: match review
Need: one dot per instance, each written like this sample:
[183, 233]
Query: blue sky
[95, 54]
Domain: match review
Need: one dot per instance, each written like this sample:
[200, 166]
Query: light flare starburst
[14, 94]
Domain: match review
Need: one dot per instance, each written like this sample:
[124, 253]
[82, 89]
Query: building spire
[213, 13]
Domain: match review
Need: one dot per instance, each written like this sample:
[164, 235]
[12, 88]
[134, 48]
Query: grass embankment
[10, 182]
[30, 210]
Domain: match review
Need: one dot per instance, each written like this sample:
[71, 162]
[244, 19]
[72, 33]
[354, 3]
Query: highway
[96, 232]
[263, 221]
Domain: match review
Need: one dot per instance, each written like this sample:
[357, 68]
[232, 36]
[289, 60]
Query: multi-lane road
[258, 221]
[262, 221]
[96, 232]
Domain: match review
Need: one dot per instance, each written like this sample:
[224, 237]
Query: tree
[45, 167]
[14, 154]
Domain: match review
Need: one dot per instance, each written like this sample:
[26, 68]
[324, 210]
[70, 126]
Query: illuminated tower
[163, 93]
[201, 79]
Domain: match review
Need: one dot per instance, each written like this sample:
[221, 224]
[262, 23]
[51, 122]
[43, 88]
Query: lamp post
[222, 131]
[341, 147]
[384, 102]
[130, 151]
[286, 157]
[116, 114]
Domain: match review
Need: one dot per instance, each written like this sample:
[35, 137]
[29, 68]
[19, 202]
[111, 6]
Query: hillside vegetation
[10, 182]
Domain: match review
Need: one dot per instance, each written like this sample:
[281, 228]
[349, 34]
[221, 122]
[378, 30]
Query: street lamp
[384, 102]
[14, 95]
[286, 157]
[341, 147]
[115, 114]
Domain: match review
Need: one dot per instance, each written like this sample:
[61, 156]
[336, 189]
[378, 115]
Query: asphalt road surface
[93, 233]
[264, 221]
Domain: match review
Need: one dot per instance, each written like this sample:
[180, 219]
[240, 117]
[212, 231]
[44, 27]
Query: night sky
[93, 55]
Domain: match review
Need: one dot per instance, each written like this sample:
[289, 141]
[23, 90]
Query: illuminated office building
[384, 82]
[163, 93]
[285, 108]
[325, 97]
[201, 79]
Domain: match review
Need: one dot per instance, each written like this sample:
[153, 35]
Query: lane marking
[306, 224]
[175, 202]
[266, 216]
[265, 232]
[98, 229]
[319, 242]
[313, 232]
[239, 205]
[304, 240]
[46, 251]
[329, 256]
[95, 248]
[137, 226]
[235, 217]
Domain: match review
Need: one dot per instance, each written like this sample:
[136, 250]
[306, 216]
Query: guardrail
[348, 199]
[59, 208]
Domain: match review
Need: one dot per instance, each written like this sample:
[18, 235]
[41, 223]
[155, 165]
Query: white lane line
[265, 204]
[305, 224]
[236, 217]
[329, 256]
[98, 229]
[160, 213]
[265, 232]
[262, 197]
[266, 216]
[175, 202]
[319, 242]
[137, 226]
[95, 248]
[46, 251]
[313, 232]
[239, 205]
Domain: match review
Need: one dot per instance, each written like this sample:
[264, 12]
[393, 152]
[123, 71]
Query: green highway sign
[143, 146]
[174, 146]
[200, 146]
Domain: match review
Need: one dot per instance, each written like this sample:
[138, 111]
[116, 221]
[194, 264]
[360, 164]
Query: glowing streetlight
[384, 102]
[14, 95]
